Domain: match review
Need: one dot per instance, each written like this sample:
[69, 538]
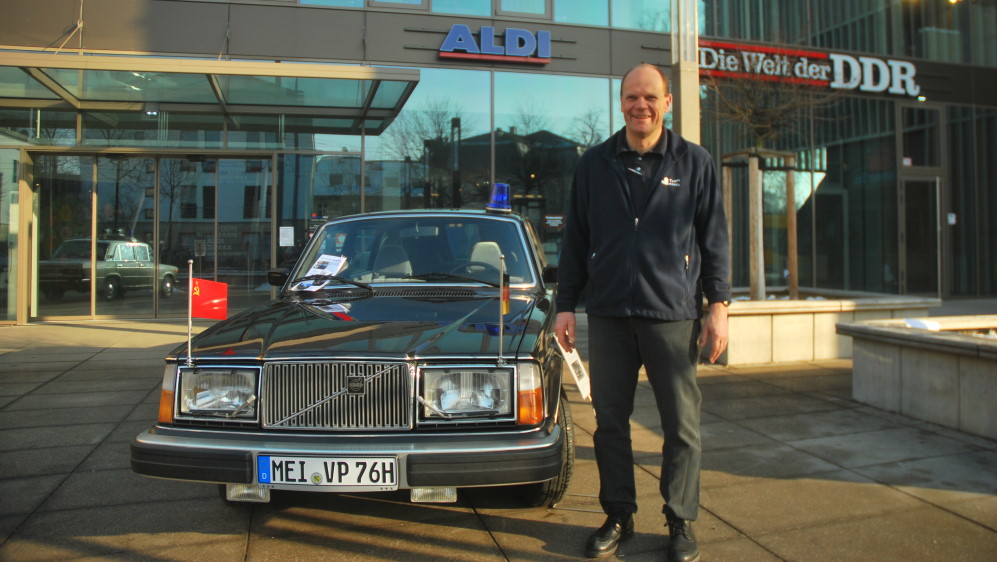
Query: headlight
[218, 392]
[462, 392]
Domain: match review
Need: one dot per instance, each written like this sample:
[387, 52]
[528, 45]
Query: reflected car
[121, 266]
[390, 360]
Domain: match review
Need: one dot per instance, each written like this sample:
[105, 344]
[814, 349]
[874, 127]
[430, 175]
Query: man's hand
[564, 330]
[714, 331]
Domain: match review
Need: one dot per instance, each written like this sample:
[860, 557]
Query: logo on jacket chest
[671, 182]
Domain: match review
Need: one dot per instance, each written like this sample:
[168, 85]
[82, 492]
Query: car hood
[391, 325]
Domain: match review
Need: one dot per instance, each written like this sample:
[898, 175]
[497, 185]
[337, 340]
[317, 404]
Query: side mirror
[550, 274]
[277, 277]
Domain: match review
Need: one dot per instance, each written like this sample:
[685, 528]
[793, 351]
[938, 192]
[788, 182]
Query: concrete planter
[944, 377]
[784, 331]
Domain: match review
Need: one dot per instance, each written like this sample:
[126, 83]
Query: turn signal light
[166, 406]
[531, 406]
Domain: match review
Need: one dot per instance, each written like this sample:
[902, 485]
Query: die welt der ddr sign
[828, 70]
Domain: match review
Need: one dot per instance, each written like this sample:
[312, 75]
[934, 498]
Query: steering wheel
[475, 267]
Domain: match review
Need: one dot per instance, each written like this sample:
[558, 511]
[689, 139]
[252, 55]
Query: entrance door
[920, 236]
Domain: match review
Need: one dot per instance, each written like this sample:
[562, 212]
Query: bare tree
[430, 121]
[590, 127]
[767, 109]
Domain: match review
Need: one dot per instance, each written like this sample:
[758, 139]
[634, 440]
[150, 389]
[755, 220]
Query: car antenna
[190, 310]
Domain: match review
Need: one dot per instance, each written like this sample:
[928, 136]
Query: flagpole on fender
[190, 305]
[501, 360]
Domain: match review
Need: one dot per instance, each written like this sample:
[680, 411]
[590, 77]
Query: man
[646, 231]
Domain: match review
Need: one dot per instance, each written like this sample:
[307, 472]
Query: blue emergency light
[499, 201]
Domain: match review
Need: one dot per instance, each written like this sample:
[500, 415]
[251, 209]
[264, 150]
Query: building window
[420, 4]
[335, 3]
[188, 202]
[646, 15]
[527, 7]
[463, 7]
[251, 202]
[252, 205]
[584, 12]
[208, 201]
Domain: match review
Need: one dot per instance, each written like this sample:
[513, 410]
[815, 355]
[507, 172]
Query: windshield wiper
[326, 277]
[440, 276]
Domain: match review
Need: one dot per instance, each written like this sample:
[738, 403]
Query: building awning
[319, 98]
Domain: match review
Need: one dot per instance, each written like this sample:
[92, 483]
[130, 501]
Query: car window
[141, 252]
[124, 252]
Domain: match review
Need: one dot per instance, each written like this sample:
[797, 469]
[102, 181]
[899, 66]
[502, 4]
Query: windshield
[418, 249]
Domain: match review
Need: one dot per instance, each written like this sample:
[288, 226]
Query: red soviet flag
[209, 299]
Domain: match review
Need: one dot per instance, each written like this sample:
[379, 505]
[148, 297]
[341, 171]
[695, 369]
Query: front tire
[552, 491]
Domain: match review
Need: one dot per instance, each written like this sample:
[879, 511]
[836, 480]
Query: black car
[389, 360]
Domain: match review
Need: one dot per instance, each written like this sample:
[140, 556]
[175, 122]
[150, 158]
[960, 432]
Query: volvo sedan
[408, 350]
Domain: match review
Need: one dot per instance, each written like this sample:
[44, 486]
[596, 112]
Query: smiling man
[646, 232]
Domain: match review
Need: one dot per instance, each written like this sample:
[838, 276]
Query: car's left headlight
[463, 392]
[228, 392]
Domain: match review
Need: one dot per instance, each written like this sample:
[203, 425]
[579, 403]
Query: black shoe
[604, 541]
[682, 547]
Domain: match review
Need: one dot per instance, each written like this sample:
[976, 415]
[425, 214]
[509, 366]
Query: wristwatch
[725, 302]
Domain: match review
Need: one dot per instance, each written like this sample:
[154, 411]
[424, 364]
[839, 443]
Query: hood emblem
[356, 384]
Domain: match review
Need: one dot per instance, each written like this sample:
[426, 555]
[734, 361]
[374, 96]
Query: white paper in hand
[578, 371]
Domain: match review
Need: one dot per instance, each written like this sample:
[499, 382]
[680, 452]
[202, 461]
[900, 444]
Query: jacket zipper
[634, 254]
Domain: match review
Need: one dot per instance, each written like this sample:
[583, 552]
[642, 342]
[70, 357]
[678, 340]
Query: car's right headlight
[467, 392]
[218, 392]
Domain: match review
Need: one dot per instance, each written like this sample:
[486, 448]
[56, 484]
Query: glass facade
[959, 31]
[890, 187]
[892, 194]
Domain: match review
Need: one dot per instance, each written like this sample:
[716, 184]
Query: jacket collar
[675, 146]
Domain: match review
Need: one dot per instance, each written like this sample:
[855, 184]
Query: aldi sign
[511, 45]
[814, 68]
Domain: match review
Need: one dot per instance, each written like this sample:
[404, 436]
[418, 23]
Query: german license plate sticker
[344, 473]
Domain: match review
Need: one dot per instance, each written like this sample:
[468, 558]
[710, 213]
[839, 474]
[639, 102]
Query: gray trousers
[617, 349]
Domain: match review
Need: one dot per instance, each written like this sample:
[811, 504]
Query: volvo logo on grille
[356, 384]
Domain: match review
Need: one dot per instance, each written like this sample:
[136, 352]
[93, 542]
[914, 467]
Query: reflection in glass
[543, 124]
[336, 187]
[646, 15]
[125, 277]
[65, 187]
[463, 7]
[436, 153]
[536, 7]
[8, 236]
[168, 130]
[38, 126]
[337, 3]
[584, 12]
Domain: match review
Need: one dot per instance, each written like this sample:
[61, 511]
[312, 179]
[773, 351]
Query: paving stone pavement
[793, 469]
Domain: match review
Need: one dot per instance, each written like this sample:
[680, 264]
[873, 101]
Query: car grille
[349, 396]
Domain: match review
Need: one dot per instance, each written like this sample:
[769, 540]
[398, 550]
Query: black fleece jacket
[657, 264]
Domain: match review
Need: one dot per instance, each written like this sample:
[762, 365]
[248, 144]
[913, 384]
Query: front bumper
[433, 460]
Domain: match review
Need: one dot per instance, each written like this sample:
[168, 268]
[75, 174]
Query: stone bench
[936, 374]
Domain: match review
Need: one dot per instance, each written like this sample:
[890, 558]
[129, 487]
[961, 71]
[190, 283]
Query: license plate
[348, 474]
